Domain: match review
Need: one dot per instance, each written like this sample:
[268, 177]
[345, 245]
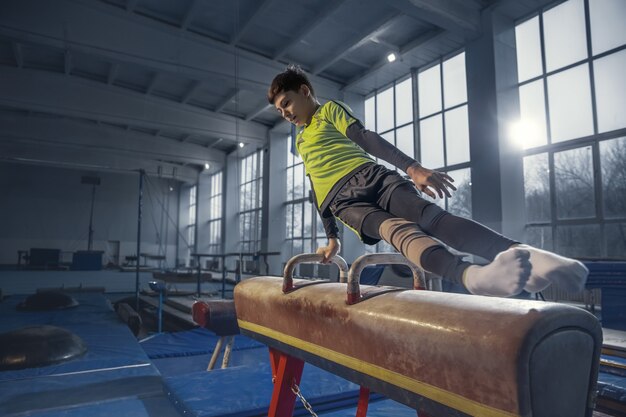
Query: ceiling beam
[452, 15]
[308, 27]
[75, 97]
[130, 5]
[64, 133]
[262, 7]
[373, 30]
[189, 14]
[153, 81]
[195, 86]
[32, 153]
[18, 54]
[60, 132]
[227, 100]
[68, 62]
[258, 111]
[113, 70]
[419, 42]
[140, 40]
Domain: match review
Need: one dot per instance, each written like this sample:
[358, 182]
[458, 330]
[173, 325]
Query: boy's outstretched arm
[426, 180]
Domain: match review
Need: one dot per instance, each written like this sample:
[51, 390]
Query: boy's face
[296, 107]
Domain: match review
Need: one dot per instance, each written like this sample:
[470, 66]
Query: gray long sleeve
[377, 146]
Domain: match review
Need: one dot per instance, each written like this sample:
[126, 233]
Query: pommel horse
[442, 354]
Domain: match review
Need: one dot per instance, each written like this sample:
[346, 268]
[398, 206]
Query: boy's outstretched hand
[329, 251]
[430, 181]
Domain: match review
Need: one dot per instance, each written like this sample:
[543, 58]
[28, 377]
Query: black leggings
[462, 234]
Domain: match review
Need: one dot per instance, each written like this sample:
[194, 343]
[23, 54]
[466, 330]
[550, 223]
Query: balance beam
[443, 354]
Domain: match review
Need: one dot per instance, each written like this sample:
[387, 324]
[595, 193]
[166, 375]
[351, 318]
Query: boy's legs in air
[469, 236]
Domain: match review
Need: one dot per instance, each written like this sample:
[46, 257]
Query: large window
[191, 228]
[305, 231]
[572, 84]
[444, 129]
[215, 213]
[250, 200]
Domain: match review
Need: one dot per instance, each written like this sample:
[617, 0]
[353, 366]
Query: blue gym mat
[383, 408]
[247, 391]
[113, 368]
[198, 341]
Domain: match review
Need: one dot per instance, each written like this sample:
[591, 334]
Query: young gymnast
[378, 203]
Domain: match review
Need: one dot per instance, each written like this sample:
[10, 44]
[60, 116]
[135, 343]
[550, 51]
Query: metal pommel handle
[354, 291]
[311, 258]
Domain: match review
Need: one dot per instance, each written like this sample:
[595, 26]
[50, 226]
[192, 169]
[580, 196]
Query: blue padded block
[198, 341]
[158, 406]
[247, 391]
[384, 408]
[612, 386]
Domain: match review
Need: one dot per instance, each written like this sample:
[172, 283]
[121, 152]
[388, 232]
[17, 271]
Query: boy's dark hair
[289, 80]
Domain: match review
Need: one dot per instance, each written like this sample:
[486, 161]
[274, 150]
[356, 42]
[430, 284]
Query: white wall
[45, 207]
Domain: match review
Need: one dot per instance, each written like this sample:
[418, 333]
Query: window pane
[616, 240]
[537, 188]
[429, 91]
[613, 162]
[431, 142]
[578, 241]
[607, 24]
[564, 34]
[569, 98]
[297, 220]
[307, 220]
[533, 114]
[289, 220]
[460, 203]
[370, 114]
[404, 102]
[610, 82]
[384, 110]
[540, 237]
[298, 183]
[404, 138]
[454, 84]
[389, 137]
[289, 184]
[528, 49]
[573, 172]
[457, 136]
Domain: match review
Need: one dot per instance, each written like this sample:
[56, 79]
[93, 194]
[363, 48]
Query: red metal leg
[286, 371]
[364, 401]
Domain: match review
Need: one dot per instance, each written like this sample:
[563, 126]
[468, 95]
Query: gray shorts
[367, 191]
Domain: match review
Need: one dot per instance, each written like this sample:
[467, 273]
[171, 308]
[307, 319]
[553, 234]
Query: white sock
[504, 277]
[550, 268]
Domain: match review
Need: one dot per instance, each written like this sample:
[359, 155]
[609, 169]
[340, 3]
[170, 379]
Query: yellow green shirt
[326, 151]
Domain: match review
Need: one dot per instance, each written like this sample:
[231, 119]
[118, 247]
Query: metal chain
[296, 390]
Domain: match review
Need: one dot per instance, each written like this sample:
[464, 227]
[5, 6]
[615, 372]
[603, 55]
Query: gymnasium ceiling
[168, 85]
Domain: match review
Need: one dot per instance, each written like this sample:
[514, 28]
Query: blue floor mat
[247, 391]
[158, 406]
[192, 342]
[383, 408]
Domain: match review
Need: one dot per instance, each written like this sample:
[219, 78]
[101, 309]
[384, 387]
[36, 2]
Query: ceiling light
[391, 57]
[206, 165]
[241, 144]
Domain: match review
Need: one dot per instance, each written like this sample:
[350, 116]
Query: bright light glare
[241, 144]
[391, 57]
[524, 133]
[206, 165]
